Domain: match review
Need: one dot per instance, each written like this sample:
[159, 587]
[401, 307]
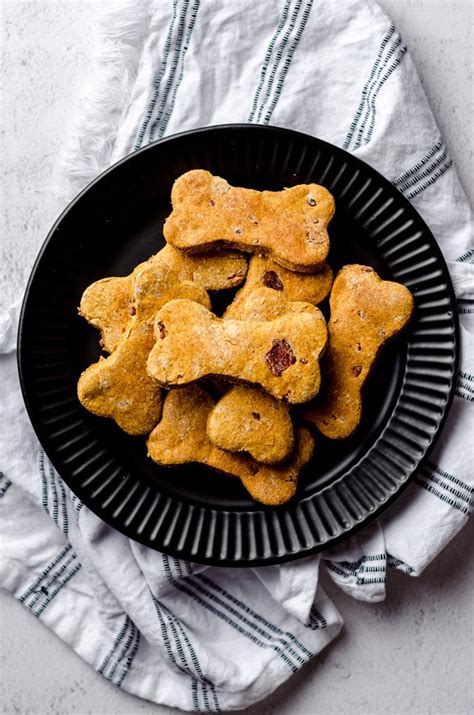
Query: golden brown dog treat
[290, 225]
[249, 420]
[282, 355]
[263, 272]
[365, 312]
[181, 438]
[119, 386]
[107, 303]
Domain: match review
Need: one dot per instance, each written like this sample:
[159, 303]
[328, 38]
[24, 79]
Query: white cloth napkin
[177, 633]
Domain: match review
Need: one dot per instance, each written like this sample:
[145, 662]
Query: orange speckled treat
[281, 355]
[290, 225]
[248, 419]
[365, 312]
[181, 437]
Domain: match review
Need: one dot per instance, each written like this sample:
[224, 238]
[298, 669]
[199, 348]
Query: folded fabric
[181, 634]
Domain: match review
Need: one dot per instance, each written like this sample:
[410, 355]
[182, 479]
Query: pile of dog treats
[245, 393]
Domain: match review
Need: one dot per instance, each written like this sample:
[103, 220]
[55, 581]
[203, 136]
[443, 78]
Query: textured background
[412, 654]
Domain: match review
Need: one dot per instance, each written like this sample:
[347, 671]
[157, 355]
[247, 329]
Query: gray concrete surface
[412, 654]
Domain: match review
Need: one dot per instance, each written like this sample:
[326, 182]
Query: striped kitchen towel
[181, 634]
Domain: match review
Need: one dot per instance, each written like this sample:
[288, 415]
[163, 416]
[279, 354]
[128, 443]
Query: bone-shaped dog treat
[248, 418]
[107, 303]
[263, 272]
[282, 355]
[365, 312]
[290, 225]
[119, 386]
[181, 437]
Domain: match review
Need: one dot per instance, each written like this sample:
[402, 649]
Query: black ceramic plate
[190, 511]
